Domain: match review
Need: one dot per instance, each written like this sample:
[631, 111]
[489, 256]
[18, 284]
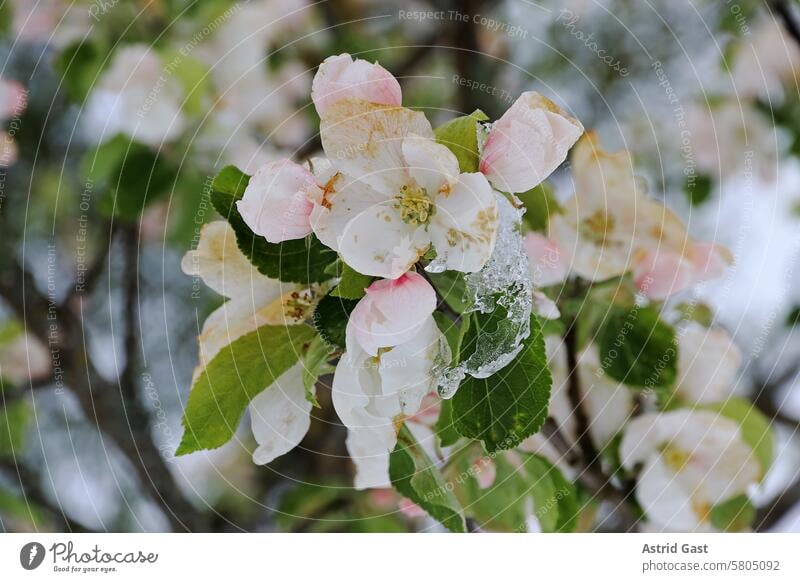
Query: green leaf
[755, 428]
[315, 363]
[330, 320]
[305, 502]
[695, 311]
[734, 515]
[698, 189]
[194, 77]
[544, 492]
[569, 507]
[460, 136]
[231, 181]
[794, 317]
[445, 429]
[638, 349]
[511, 405]
[18, 509]
[452, 287]
[505, 504]
[352, 284]
[80, 65]
[128, 175]
[14, 418]
[416, 477]
[540, 203]
[294, 261]
[233, 378]
[556, 503]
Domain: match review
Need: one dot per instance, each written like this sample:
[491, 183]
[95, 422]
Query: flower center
[415, 206]
[675, 458]
[597, 227]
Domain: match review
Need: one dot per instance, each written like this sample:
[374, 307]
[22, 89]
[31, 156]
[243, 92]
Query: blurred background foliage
[97, 340]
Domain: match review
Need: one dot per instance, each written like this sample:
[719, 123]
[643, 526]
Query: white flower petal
[663, 499]
[377, 242]
[343, 200]
[407, 370]
[365, 141]
[708, 364]
[280, 416]
[432, 165]
[223, 267]
[464, 228]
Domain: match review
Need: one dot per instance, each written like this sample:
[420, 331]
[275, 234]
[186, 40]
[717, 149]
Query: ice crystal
[504, 283]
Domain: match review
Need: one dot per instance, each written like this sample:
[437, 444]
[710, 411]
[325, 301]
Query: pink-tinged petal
[392, 312]
[428, 412]
[340, 77]
[13, 98]
[383, 498]
[411, 509]
[527, 143]
[432, 165]
[548, 263]
[662, 273]
[710, 261]
[277, 203]
[485, 472]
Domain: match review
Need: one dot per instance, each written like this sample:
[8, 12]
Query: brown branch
[59, 328]
[134, 436]
[575, 394]
[85, 285]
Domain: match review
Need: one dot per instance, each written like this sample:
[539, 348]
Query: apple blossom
[135, 98]
[56, 22]
[691, 460]
[527, 143]
[340, 78]
[549, 264]
[610, 227]
[764, 59]
[725, 135]
[399, 194]
[278, 201]
[392, 312]
[280, 413]
[373, 393]
[708, 364]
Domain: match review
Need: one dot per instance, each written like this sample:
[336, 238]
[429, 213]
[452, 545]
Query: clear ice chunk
[504, 282]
